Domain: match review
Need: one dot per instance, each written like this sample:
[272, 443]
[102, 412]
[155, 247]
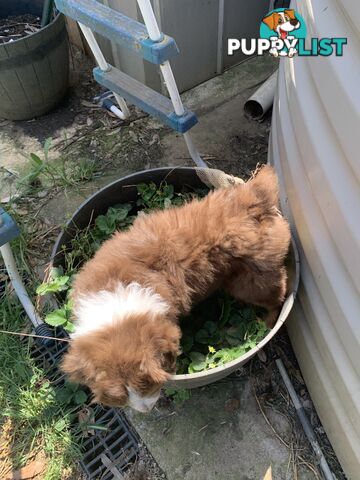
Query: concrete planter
[123, 191]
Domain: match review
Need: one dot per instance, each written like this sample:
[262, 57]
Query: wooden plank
[14, 87]
[26, 72]
[75, 37]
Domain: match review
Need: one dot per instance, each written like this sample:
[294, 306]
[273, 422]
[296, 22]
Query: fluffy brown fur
[233, 239]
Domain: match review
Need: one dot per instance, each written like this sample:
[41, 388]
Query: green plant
[116, 218]
[231, 331]
[179, 395]
[153, 197]
[57, 282]
[71, 394]
[59, 172]
[39, 166]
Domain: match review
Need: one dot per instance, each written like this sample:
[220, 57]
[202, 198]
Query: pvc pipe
[260, 102]
[309, 432]
[150, 20]
[18, 285]
[193, 151]
[101, 61]
[171, 86]
[109, 105]
[94, 46]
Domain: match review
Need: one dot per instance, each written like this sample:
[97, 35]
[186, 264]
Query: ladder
[145, 40]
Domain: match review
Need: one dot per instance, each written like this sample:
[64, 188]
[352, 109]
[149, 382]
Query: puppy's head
[127, 362]
[282, 22]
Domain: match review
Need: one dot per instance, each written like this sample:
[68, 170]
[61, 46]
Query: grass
[40, 424]
[37, 418]
[61, 172]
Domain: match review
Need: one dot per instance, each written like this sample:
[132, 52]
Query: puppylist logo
[282, 34]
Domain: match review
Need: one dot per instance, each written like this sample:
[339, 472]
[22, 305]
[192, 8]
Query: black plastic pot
[123, 191]
[34, 70]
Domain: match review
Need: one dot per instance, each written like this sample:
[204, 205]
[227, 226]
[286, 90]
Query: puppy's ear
[152, 368]
[159, 359]
[270, 21]
[291, 13]
[76, 365]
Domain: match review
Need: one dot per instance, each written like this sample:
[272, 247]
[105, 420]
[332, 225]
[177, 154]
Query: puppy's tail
[266, 187]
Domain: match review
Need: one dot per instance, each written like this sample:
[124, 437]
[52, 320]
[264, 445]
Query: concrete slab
[218, 434]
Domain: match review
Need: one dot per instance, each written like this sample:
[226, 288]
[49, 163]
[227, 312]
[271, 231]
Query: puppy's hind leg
[266, 289]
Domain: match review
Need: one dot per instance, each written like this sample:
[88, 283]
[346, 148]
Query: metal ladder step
[148, 100]
[120, 29]
[8, 228]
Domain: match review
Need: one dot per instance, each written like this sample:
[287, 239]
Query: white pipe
[150, 20]
[260, 102]
[94, 46]
[123, 110]
[171, 86]
[193, 151]
[101, 61]
[18, 285]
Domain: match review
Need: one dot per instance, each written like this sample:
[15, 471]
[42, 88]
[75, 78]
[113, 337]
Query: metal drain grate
[48, 357]
[110, 451]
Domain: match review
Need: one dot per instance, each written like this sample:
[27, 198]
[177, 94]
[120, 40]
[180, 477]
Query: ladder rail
[101, 61]
[151, 24]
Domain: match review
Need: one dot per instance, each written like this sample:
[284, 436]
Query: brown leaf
[86, 416]
[32, 470]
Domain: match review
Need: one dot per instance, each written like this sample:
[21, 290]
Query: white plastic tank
[315, 147]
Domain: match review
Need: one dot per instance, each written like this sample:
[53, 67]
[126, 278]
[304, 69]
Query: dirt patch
[273, 399]
[145, 467]
[14, 27]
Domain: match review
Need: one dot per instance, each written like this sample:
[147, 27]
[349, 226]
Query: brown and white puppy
[129, 297]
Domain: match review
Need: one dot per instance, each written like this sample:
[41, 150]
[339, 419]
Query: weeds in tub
[153, 197]
[230, 331]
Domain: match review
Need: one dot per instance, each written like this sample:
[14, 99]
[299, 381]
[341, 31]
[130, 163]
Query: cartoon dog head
[282, 22]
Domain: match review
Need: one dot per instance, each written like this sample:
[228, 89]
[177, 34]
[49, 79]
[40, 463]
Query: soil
[14, 27]
[145, 467]
[271, 394]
